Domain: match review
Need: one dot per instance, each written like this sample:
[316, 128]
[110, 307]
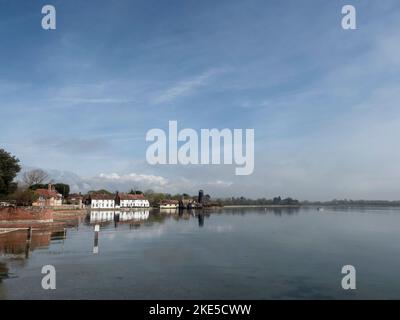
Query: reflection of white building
[102, 201]
[101, 216]
[134, 215]
[104, 216]
[124, 200]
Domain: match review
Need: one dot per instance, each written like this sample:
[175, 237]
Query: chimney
[49, 187]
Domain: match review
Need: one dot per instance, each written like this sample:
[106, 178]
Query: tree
[134, 191]
[101, 191]
[38, 186]
[62, 188]
[37, 176]
[9, 167]
[23, 197]
[149, 192]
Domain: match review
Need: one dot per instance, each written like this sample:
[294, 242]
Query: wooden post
[28, 242]
[29, 238]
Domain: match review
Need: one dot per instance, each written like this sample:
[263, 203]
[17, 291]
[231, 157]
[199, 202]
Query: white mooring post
[96, 239]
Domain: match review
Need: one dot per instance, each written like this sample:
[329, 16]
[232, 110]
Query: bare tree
[34, 177]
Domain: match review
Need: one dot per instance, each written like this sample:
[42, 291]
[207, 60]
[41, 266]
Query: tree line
[278, 201]
[23, 193]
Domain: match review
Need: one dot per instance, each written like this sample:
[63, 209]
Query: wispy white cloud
[93, 100]
[135, 177]
[187, 86]
[220, 183]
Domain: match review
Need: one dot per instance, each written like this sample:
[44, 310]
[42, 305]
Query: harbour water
[251, 253]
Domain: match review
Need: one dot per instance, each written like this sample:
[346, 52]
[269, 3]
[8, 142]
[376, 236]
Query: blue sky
[323, 101]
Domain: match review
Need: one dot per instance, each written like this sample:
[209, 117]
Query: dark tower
[117, 199]
[201, 194]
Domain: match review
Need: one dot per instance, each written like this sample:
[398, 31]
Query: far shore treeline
[22, 192]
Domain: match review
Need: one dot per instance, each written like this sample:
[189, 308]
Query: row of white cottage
[122, 200]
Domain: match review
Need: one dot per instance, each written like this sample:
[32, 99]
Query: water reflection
[117, 216]
[232, 253]
[20, 243]
[201, 220]
[3, 271]
[278, 211]
[102, 218]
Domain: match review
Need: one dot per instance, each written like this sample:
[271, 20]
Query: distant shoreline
[263, 206]
[314, 206]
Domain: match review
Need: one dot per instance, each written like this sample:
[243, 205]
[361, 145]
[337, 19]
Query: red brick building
[48, 197]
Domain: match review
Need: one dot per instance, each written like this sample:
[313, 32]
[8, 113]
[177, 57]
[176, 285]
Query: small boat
[169, 204]
[168, 207]
[320, 209]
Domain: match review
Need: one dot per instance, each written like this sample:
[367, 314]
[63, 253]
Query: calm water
[227, 254]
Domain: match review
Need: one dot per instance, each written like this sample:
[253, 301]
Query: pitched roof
[100, 196]
[75, 196]
[46, 193]
[127, 196]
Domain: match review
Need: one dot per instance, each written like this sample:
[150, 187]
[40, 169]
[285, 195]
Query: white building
[49, 197]
[131, 201]
[122, 200]
[102, 201]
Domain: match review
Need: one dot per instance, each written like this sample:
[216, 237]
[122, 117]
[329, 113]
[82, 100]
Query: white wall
[102, 203]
